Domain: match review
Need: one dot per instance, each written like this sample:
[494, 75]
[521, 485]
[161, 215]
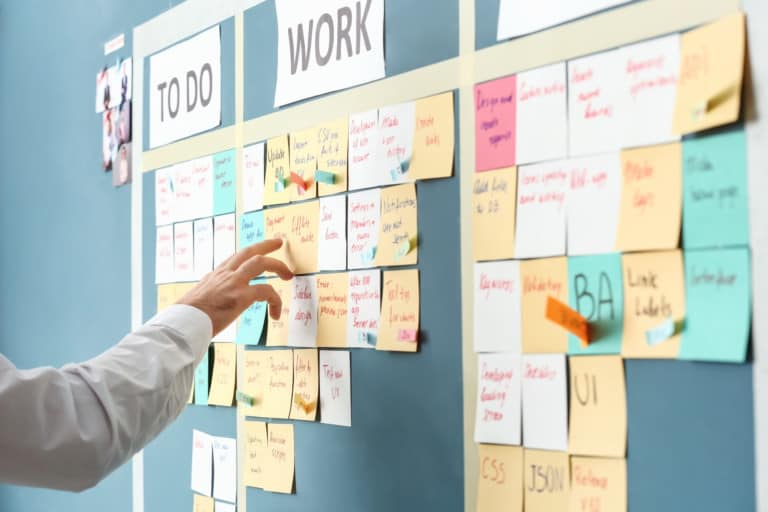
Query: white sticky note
[203, 233]
[253, 177]
[395, 150]
[223, 238]
[545, 402]
[164, 197]
[183, 188]
[202, 187]
[497, 418]
[594, 200]
[335, 390]
[183, 252]
[364, 170]
[497, 293]
[164, 270]
[541, 209]
[363, 308]
[225, 469]
[220, 506]
[332, 235]
[595, 122]
[649, 86]
[542, 115]
[363, 215]
[202, 462]
[302, 324]
[518, 17]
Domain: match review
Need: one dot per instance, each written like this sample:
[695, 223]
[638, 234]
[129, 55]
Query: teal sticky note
[596, 291]
[224, 182]
[718, 305]
[251, 228]
[715, 206]
[201, 381]
[250, 328]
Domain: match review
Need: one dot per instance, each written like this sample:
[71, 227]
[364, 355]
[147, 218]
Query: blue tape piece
[369, 255]
[660, 333]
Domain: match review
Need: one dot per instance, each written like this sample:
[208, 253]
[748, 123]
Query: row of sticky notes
[643, 94]
[214, 466]
[269, 456]
[633, 200]
[215, 378]
[627, 300]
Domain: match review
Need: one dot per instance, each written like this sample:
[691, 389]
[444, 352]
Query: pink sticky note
[406, 335]
[495, 104]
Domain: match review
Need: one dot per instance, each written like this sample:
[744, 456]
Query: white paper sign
[327, 45]
[164, 197]
[364, 170]
[541, 209]
[497, 307]
[183, 252]
[184, 190]
[202, 462]
[332, 241]
[497, 419]
[335, 390]
[545, 402]
[649, 87]
[542, 115]
[202, 187]
[203, 232]
[594, 199]
[185, 88]
[164, 272]
[363, 215]
[221, 506]
[364, 307]
[302, 324]
[395, 151]
[223, 238]
[253, 177]
[225, 469]
[595, 123]
[518, 17]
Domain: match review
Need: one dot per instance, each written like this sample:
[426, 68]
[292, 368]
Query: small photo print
[109, 140]
[122, 172]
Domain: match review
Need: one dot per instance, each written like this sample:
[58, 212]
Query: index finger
[265, 247]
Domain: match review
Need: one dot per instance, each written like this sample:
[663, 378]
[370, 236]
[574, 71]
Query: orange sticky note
[306, 384]
[569, 319]
[276, 171]
[255, 453]
[398, 224]
[433, 139]
[500, 483]
[279, 466]
[277, 330]
[303, 219]
[223, 377]
[494, 201]
[547, 480]
[598, 484]
[279, 392]
[541, 279]
[399, 311]
[303, 164]
[255, 380]
[202, 504]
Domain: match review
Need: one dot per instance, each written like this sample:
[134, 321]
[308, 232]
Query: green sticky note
[596, 291]
[715, 207]
[201, 381]
[718, 305]
[224, 189]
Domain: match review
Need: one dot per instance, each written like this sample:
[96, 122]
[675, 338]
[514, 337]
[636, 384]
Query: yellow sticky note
[598, 485]
[278, 469]
[223, 377]
[494, 198]
[277, 188]
[651, 198]
[303, 219]
[711, 74]
[500, 483]
[398, 226]
[399, 322]
[547, 480]
[166, 295]
[277, 224]
[304, 163]
[332, 309]
[433, 138]
[654, 291]
[332, 140]
[541, 279]
[598, 417]
[306, 384]
[279, 392]
[255, 433]
[277, 330]
[255, 380]
[202, 503]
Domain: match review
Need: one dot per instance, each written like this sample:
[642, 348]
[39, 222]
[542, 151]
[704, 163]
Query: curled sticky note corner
[569, 319]
[325, 177]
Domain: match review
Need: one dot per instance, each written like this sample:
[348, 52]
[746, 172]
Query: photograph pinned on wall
[121, 174]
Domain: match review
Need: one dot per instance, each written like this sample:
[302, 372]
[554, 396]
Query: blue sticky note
[251, 228]
[718, 305]
[201, 381]
[250, 328]
[224, 182]
[596, 291]
[715, 206]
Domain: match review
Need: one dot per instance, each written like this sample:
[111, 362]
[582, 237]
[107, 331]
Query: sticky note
[598, 484]
[253, 177]
[183, 252]
[541, 209]
[545, 402]
[364, 171]
[400, 309]
[542, 124]
[542, 278]
[252, 228]
[277, 330]
[164, 269]
[500, 482]
[166, 295]
[651, 198]
[223, 377]
[715, 193]
[711, 74]
[225, 469]
[598, 402]
[164, 212]
[332, 139]
[497, 306]
[201, 381]
[363, 216]
[202, 504]
[596, 291]
[494, 198]
[395, 149]
[433, 140]
[332, 290]
[277, 224]
[718, 301]
[224, 182]
[499, 398]
[303, 220]
[495, 107]
[594, 201]
[305, 384]
[255, 381]
[202, 463]
[332, 233]
[363, 308]
[569, 319]
[654, 290]
[660, 333]
[547, 479]
[398, 224]
[279, 467]
[199, 193]
[302, 325]
[279, 393]
[203, 243]
[255, 433]
[277, 171]
[335, 388]
[224, 236]
[649, 75]
[303, 156]
[221, 506]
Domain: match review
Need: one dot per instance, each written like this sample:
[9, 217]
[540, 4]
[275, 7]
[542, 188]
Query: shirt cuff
[194, 325]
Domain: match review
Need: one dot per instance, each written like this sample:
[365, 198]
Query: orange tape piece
[307, 406]
[299, 181]
[569, 319]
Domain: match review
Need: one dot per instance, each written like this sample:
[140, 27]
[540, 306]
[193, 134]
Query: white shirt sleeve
[69, 428]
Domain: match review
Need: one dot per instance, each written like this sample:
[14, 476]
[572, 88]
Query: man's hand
[226, 292]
